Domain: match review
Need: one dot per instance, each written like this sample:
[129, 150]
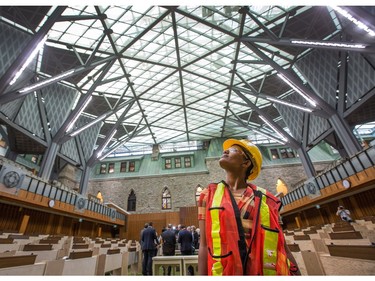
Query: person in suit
[148, 242]
[168, 242]
[185, 238]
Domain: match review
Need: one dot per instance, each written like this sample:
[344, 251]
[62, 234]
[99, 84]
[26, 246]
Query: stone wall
[148, 190]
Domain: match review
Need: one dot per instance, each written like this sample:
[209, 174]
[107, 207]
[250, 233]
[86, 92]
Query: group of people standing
[185, 239]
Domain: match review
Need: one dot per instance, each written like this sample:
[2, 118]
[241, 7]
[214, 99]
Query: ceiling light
[29, 59]
[47, 81]
[295, 88]
[360, 24]
[87, 126]
[105, 145]
[70, 126]
[329, 44]
[289, 104]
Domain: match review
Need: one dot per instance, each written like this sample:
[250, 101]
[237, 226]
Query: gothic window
[132, 200]
[166, 199]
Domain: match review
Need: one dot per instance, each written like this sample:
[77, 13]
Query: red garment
[230, 257]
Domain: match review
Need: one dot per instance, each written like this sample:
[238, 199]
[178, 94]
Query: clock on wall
[346, 183]
[51, 203]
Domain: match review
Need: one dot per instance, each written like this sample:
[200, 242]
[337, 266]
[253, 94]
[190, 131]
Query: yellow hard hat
[253, 151]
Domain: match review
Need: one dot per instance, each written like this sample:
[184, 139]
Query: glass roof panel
[173, 86]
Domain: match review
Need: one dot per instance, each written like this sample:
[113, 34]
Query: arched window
[132, 201]
[198, 191]
[166, 199]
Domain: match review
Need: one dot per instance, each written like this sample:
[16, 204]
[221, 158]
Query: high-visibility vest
[267, 255]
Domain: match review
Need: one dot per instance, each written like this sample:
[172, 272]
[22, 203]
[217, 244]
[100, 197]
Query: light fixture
[360, 24]
[105, 155]
[71, 124]
[295, 88]
[47, 81]
[277, 131]
[289, 104]
[87, 126]
[106, 143]
[329, 44]
[29, 59]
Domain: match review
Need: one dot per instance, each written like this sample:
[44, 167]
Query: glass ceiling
[177, 68]
[191, 101]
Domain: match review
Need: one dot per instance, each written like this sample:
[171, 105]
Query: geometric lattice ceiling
[168, 74]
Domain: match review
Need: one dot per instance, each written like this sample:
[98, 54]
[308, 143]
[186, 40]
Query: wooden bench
[369, 218]
[113, 251]
[106, 245]
[17, 260]
[366, 252]
[311, 231]
[80, 246]
[79, 240]
[294, 248]
[79, 255]
[343, 228]
[346, 235]
[301, 237]
[6, 240]
[37, 247]
[132, 249]
[18, 236]
[49, 241]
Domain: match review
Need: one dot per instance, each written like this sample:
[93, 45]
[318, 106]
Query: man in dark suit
[168, 240]
[148, 242]
[185, 238]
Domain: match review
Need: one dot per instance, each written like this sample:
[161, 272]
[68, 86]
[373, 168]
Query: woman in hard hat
[239, 222]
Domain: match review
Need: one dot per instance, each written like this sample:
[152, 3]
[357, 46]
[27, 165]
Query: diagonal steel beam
[19, 93]
[24, 55]
[59, 136]
[292, 142]
[243, 11]
[314, 44]
[174, 24]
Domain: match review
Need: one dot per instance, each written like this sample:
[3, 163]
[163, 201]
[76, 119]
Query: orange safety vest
[267, 254]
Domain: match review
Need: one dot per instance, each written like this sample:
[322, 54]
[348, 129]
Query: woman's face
[232, 158]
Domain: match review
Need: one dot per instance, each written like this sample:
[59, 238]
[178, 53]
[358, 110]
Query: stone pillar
[68, 177]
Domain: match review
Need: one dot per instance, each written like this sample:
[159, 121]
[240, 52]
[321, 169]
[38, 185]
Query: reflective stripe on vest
[217, 267]
[270, 238]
